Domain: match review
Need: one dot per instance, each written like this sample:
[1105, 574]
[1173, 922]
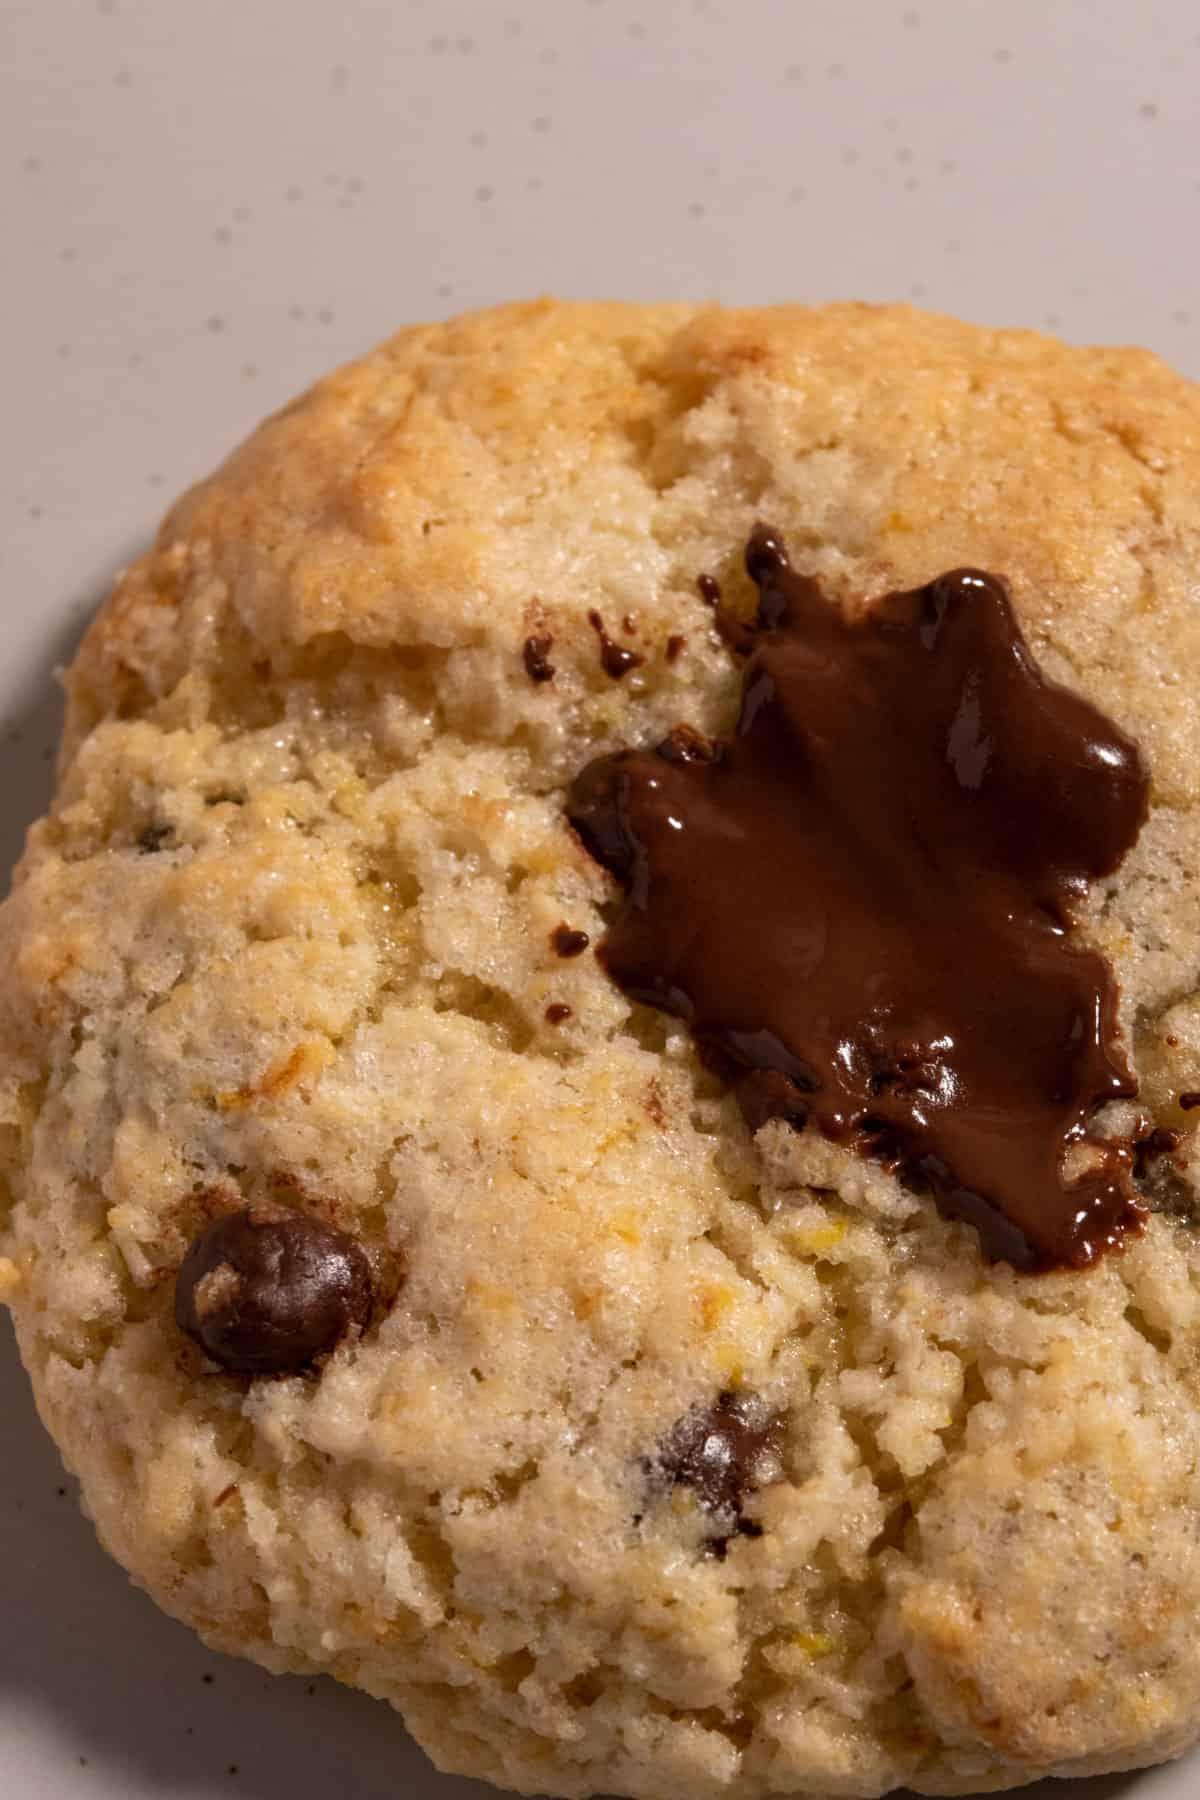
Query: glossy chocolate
[615, 659]
[722, 1452]
[265, 1296]
[863, 902]
[566, 941]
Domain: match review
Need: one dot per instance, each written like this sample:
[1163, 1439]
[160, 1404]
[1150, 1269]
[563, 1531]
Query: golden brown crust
[287, 931]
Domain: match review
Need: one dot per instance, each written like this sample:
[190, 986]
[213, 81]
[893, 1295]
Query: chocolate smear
[1147, 1150]
[863, 903]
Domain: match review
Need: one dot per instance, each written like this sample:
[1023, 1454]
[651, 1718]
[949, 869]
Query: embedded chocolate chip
[535, 651]
[615, 659]
[566, 941]
[557, 1012]
[723, 1452]
[266, 1295]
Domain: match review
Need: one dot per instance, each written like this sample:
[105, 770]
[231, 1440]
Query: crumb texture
[287, 940]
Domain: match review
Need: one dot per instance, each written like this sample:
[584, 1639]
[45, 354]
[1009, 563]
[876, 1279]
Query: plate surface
[205, 206]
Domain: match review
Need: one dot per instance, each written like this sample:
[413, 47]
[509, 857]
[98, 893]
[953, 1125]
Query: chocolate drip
[722, 1452]
[615, 659]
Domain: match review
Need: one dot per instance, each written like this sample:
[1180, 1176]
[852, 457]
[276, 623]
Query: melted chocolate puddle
[863, 902]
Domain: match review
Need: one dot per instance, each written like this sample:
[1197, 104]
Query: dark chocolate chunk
[266, 1295]
[864, 900]
[1189, 1100]
[615, 659]
[709, 589]
[722, 1452]
[535, 651]
[566, 941]
[557, 1012]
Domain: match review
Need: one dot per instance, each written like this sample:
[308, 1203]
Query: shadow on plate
[91, 1673]
[87, 1660]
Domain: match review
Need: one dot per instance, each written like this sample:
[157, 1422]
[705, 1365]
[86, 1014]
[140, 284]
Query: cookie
[431, 1291]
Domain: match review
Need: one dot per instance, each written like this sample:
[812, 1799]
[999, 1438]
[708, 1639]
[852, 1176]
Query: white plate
[205, 205]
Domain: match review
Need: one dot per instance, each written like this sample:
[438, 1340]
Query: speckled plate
[205, 205]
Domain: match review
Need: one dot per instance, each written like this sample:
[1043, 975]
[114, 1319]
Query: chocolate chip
[153, 838]
[615, 659]
[723, 1452]
[266, 1295]
[709, 589]
[905, 794]
[1189, 1100]
[596, 810]
[686, 745]
[1147, 1150]
[535, 650]
[675, 643]
[566, 941]
[557, 1012]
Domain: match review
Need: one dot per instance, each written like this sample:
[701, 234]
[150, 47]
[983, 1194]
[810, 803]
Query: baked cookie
[416, 1296]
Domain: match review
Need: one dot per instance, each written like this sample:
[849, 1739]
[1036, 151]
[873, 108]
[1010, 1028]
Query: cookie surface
[668, 1457]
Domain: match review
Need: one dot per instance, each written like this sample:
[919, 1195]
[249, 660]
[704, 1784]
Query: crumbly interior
[286, 933]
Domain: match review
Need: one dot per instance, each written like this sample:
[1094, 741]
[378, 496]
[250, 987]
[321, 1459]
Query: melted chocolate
[264, 1296]
[722, 1453]
[615, 659]
[862, 903]
[535, 652]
